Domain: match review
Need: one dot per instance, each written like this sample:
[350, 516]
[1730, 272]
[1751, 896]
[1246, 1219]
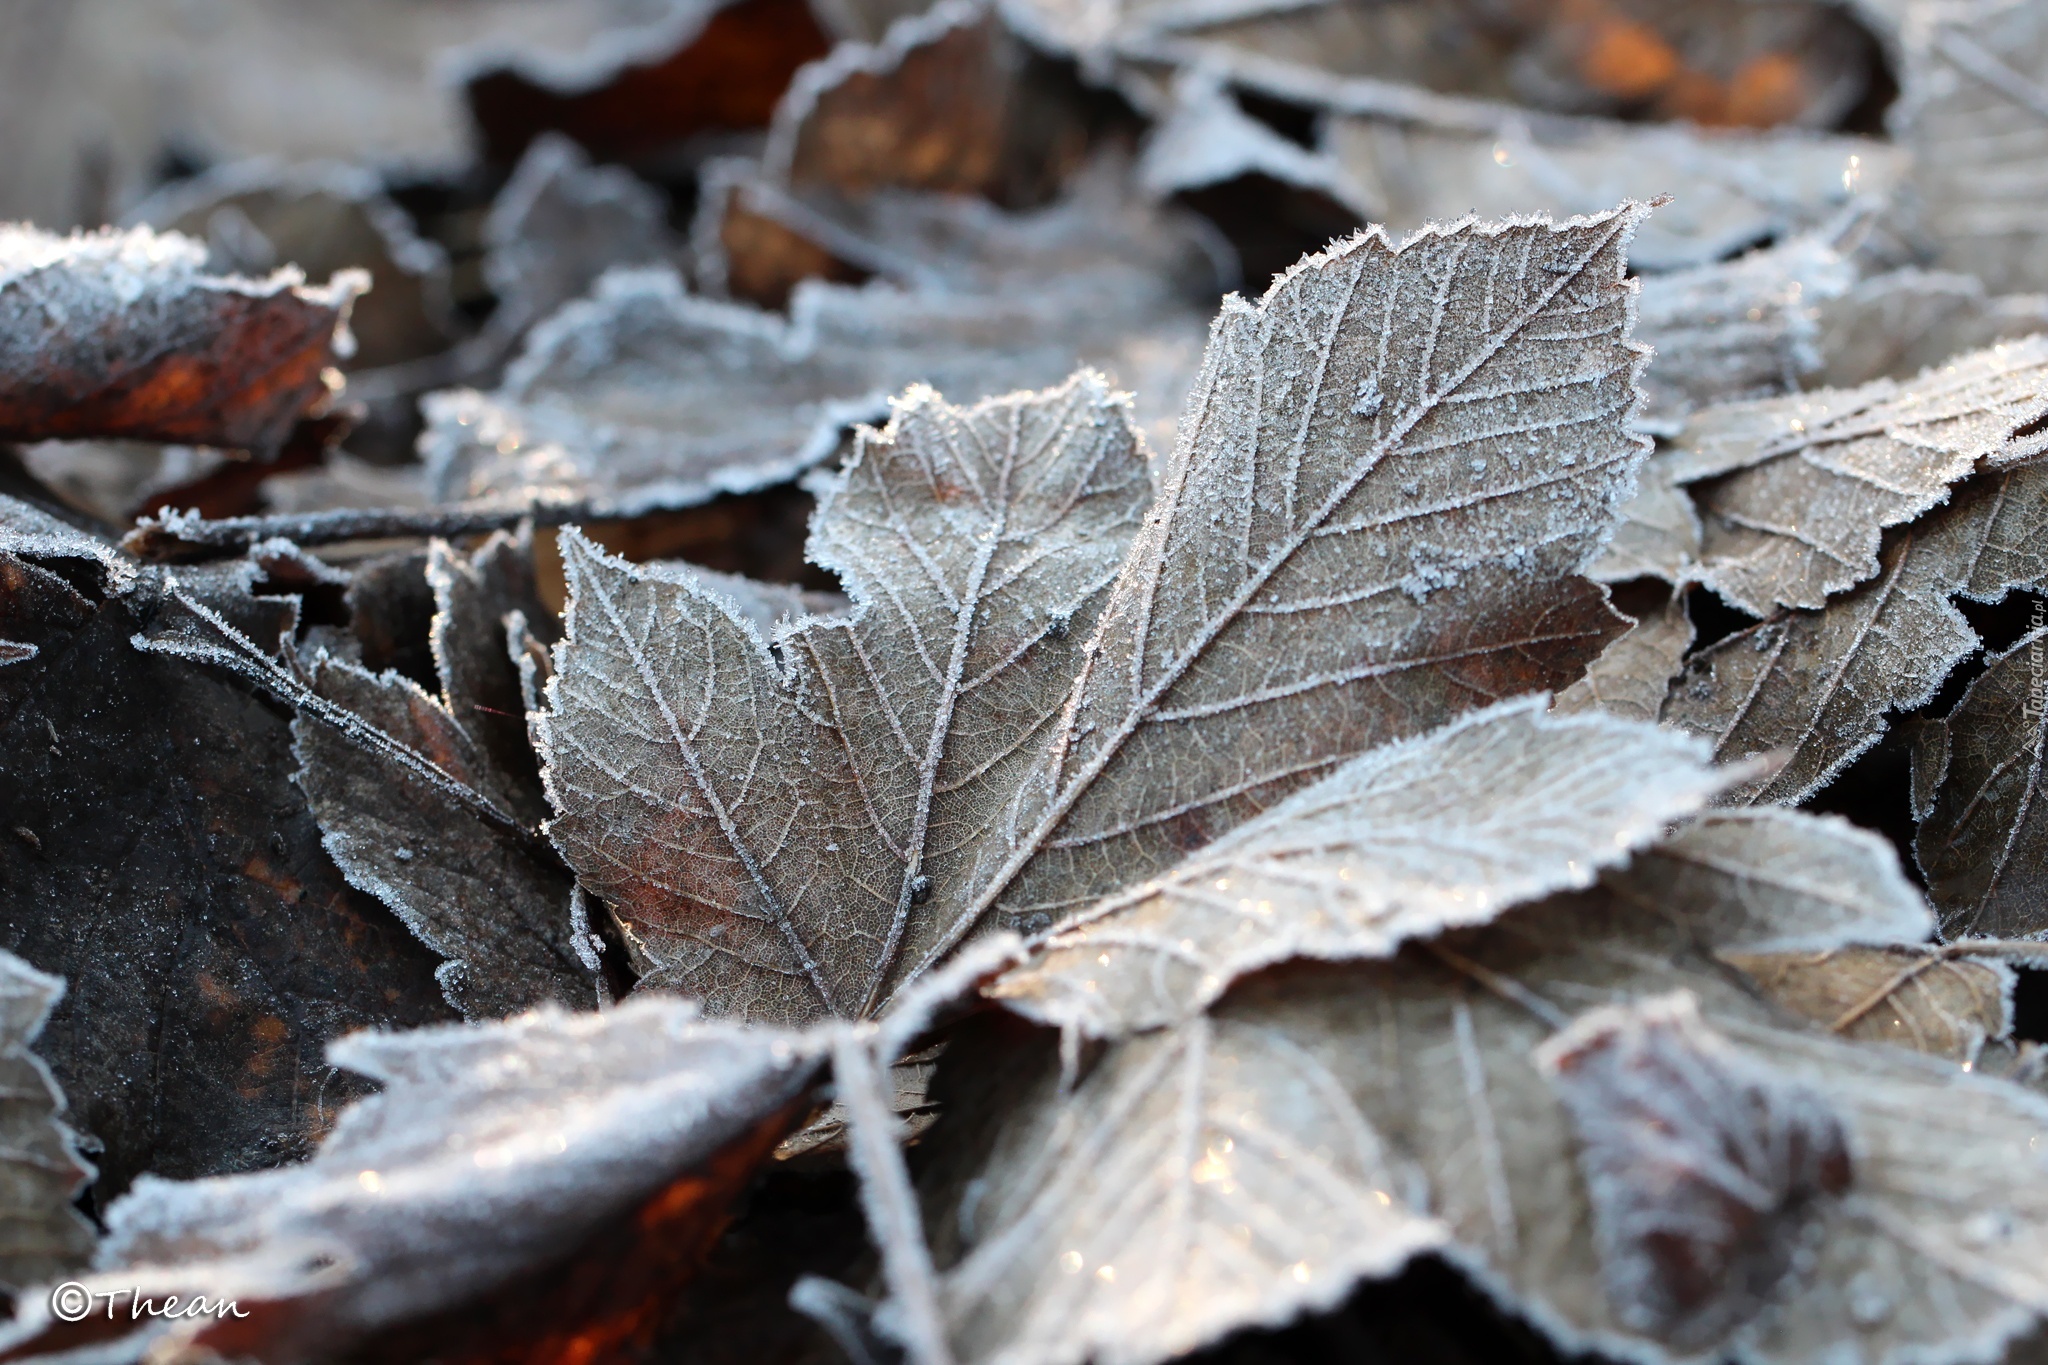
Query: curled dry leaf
[493, 1158]
[1817, 686]
[1632, 675]
[179, 879]
[1445, 831]
[1807, 484]
[1973, 112]
[1368, 500]
[323, 217]
[646, 397]
[1981, 838]
[41, 1234]
[1314, 1098]
[125, 334]
[1922, 998]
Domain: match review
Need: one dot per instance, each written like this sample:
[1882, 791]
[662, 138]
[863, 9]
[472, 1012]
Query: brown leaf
[974, 747]
[44, 1235]
[1632, 675]
[124, 334]
[1656, 532]
[1980, 775]
[1817, 686]
[1897, 324]
[156, 853]
[527, 1190]
[1922, 998]
[1809, 483]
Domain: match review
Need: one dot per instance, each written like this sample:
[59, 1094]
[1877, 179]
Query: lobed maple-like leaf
[1979, 776]
[125, 334]
[1440, 832]
[1818, 685]
[1385, 486]
[41, 1234]
[1801, 487]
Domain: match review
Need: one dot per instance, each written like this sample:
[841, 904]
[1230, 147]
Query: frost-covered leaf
[558, 225]
[770, 827]
[1921, 998]
[255, 216]
[475, 594]
[1417, 1078]
[159, 858]
[1390, 475]
[1632, 675]
[1445, 831]
[1974, 114]
[1809, 483]
[1982, 842]
[1746, 328]
[489, 1154]
[125, 334]
[1817, 686]
[41, 1234]
[646, 396]
[1656, 532]
[1732, 190]
[1899, 323]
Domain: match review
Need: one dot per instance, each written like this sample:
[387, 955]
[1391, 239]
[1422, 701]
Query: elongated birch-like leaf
[1441, 832]
[1818, 686]
[1421, 1074]
[1393, 471]
[1982, 838]
[1811, 482]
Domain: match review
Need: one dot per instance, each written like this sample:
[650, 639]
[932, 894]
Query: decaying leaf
[489, 1154]
[158, 856]
[1366, 500]
[1980, 836]
[1707, 1172]
[1922, 998]
[1417, 1078]
[1817, 686]
[40, 1233]
[1632, 676]
[1806, 484]
[1974, 113]
[125, 334]
[646, 397]
[255, 216]
[1445, 831]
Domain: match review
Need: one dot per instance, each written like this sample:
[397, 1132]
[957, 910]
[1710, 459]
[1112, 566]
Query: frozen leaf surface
[1899, 323]
[40, 1233]
[1632, 676]
[1656, 532]
[1981, 835]
[125, 334]
[488, 1153]
[1811, 482]
[1818, 685]
[645, 396]
[1974, 113]
[1445, 831]
[1422, 1073]
[1386, 483]
[1922, 998]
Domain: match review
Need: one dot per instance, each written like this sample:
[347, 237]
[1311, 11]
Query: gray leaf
[1445, 831]
[44, 1234]
[1816, 479]
[1974, 113]
[474, 655]
[1656, 532]
[1818, 685]
[1632, 675]
[1905, 321]
[1982, 841]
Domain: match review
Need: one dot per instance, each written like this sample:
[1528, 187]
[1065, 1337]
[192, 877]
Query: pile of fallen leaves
[677, 683]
